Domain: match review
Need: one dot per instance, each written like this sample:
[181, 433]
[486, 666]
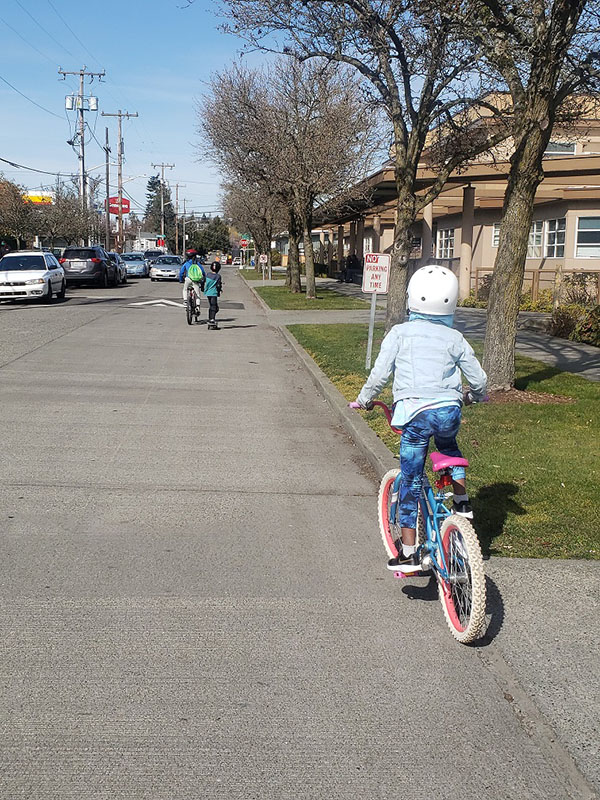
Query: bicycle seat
[440, 461]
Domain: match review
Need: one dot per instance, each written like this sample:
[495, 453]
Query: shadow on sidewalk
[494, 610]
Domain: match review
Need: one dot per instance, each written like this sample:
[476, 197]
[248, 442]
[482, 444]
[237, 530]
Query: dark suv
[89, 265]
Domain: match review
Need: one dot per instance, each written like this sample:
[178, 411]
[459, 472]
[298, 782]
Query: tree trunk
[525, 175]
[396, 299]
[295, 285]
[309, 261]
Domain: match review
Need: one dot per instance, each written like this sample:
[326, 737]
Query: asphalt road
[194, 599]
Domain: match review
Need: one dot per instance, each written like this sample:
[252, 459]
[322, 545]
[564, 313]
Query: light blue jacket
[427, 359]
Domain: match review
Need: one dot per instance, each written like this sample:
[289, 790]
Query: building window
[445, 243]
[496, 235]
[560, 149]
[536, 235]
[555, 238]
[588, 237]
[534, 246]
[367, 243]
[416, 247]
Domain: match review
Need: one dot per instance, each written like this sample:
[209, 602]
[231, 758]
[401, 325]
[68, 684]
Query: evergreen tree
[215, 236]
[152, 219]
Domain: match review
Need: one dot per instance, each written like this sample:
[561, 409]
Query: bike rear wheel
[390, 532]
[189, 308]
[463, 595]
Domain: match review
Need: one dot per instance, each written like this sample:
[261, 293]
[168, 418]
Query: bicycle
[446, 543]
[192, 306]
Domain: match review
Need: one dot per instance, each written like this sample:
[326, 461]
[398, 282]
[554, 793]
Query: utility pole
[183, 229]
[163, 167]
[120, 114]
[107, 202]
[177, 185]
[80, 105]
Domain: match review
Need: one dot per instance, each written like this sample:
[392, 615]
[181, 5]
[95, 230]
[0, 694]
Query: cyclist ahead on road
[426, 356]
[192, 272]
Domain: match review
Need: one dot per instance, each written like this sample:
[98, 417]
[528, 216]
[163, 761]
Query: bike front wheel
[462, 595]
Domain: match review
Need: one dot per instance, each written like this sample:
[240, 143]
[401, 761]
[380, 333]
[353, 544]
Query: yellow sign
[39, 199]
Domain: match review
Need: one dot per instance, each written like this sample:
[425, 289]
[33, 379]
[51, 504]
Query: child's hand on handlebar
[366, 406]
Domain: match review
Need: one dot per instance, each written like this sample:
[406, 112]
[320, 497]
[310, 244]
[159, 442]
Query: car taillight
[96, 260]
[61, 260]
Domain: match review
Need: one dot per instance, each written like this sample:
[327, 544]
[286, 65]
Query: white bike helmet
[433, 290]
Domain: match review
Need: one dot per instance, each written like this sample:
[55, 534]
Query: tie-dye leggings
[442, 423]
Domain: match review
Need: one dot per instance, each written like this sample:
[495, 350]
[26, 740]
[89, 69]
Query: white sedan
[31, 274]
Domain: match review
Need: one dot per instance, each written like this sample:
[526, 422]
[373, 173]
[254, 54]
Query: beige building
[461, 226]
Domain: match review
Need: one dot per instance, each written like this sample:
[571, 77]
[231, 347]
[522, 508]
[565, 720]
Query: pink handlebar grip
[354, 404]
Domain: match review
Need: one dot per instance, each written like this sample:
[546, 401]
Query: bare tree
[252, 208]
[15, 211]
[420, 70]
[545, 53]
[299, 132]
[64, 219]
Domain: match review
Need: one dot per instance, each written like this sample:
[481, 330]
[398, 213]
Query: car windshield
[132, 257]
[168, 260]
[153, 253]
[79, 253]
[22, 262]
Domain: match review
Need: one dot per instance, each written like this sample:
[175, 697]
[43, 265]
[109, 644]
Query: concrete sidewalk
[195, 602]
[580, 359]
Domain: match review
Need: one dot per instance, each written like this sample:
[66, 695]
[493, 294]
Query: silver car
[165, 268]
[30, 274]
[136, 264]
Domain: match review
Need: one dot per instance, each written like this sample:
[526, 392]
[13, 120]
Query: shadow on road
[494, 613]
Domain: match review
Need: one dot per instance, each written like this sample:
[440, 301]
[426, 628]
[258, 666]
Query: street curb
[365, 439]
[261, 302]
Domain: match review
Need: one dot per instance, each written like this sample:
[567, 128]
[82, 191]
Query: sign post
[376, 277]
[262, 260]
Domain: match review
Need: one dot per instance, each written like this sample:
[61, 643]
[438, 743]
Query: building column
[340, 248]
[352, 249]
[427, 233]
[376, 233]
[330, 267]
[360, 239]
[466, 242]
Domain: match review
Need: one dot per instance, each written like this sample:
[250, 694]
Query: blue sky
[157, 55]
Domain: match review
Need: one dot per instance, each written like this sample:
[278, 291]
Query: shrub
[579, 289]
[543, 302]
[471, 302]
[485, 284]
[587, 329]
[565, 319]
[275, 258]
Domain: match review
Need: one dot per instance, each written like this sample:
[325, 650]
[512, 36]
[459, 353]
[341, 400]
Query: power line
[33, 169]
[41, 27]
[18, 91]
[70, 29]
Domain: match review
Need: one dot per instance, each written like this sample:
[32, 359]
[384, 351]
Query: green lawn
[256, 274]
[280, 299]
[534, 468]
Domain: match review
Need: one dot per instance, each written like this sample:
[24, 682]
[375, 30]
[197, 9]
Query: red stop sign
[113, 205]
[243, 242]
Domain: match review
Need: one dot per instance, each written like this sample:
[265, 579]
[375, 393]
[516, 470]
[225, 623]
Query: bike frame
[434, 512]
[192, 294]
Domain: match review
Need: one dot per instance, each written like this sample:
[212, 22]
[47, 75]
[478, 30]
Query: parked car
[89, 265]
[136, 265]
[152, 255]
[121, 268]
[31, 274]
[165, 268]
[237, 262]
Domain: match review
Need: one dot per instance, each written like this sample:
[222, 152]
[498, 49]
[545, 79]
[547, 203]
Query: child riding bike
[192, 273]
[426, 355]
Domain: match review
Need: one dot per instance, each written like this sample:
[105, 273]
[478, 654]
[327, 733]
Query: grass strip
[534, 469]
[279, 298]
